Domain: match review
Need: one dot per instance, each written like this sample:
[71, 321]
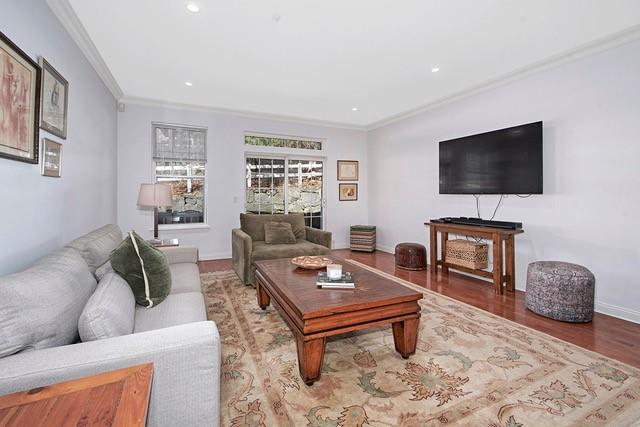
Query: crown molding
[606, 43]
[67, 16]
[149, 102]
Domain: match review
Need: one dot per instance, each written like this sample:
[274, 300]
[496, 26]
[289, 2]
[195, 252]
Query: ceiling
[318, 59]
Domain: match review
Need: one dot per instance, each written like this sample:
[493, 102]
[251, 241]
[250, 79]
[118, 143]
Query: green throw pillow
[151, 284]
[278, 233]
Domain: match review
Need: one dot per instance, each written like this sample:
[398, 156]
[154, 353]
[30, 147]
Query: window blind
[179, 143]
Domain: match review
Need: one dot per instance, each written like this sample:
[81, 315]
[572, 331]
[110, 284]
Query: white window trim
[201, 225]
[205, 216]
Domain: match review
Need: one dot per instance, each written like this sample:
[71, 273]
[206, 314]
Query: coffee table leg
[263, 297]
[310, 357]
[405, 336]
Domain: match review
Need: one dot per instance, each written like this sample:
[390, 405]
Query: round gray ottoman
[560, 290]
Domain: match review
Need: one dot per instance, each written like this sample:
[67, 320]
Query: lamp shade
[155, 195]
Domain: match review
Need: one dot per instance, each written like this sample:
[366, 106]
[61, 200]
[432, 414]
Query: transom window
[179, 159]
[282, 142]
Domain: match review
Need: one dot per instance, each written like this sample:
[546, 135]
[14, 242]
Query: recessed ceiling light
[354, 109]
[435, 69]
[188, 84]
[193, 7]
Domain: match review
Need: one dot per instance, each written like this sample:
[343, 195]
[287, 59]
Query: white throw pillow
[109, 312]
[103, 270]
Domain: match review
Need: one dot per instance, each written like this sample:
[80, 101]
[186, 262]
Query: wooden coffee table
[313, 314]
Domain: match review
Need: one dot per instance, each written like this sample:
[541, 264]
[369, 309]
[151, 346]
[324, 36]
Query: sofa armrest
[241, 254]
[186, 370]
[180, 254]
[319, 237]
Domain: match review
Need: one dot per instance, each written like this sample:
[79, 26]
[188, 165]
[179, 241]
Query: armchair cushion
[262, 250]
[253, 224]
[278, 233]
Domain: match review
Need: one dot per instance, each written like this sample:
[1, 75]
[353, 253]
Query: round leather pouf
[560, 291]
[411, 256]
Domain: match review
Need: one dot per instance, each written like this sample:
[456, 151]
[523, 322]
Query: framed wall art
[51, 158]
[54, 100]
[347, 170]
[348, 192]
[19, 103]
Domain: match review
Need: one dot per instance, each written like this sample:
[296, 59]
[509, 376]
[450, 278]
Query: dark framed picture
[19, 103]
[348, 170]
[54, 100]
[348, 192]
[51, 158]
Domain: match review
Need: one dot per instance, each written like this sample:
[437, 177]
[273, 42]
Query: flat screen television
[505, 161]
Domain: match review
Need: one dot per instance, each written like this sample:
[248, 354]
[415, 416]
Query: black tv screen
[505, 161]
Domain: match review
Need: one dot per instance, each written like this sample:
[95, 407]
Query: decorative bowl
[311, 262]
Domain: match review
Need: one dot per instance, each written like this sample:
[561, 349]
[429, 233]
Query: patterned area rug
[470, 368]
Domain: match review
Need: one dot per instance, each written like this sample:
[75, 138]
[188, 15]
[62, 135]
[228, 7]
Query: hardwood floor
[607, 335]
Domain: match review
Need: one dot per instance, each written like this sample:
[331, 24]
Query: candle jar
[334, 271]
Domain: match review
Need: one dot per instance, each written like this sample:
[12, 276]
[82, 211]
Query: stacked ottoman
[560, 290]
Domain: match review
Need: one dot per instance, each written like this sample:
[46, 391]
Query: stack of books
[345, 282]
[363, 238]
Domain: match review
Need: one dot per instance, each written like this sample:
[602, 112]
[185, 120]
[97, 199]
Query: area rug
[470, 368]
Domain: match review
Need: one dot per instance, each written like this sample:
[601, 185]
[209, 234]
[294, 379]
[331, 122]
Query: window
[179, 159]
[282, 142]
[285, 185]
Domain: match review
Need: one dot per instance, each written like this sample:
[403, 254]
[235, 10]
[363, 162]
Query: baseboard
[619, 312]
[341, 245]
[210, 257]
[385, 248]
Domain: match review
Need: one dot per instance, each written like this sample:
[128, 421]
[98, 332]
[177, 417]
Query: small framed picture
[54, 99]
[51, 158]
[347, 170]
[348, 192]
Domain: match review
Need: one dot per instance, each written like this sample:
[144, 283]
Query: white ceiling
[321, 58]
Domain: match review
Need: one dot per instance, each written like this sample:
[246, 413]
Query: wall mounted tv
[505, 161]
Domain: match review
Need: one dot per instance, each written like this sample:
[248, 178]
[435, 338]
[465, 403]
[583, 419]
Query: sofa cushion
[103, 270]
[110, 310]
[185, 277]
[262, 251]
[177, 309]
[96, 246]
[278, 233]
[253, 224]
[40, 306]
[144, 267]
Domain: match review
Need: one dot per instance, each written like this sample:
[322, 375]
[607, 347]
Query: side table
[116, 398]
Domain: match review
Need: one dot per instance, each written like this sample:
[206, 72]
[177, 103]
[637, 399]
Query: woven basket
[467, 254]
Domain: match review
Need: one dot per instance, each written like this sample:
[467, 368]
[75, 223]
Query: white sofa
[39, 338]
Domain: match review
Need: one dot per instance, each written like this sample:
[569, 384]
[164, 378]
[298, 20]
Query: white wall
[589, 212]
[40, 214]
[226, 172]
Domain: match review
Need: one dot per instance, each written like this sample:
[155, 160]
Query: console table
[504, 271]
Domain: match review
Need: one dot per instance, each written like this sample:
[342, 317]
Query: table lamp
[155, 196]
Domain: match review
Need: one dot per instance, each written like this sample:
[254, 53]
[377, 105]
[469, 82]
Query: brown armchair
[248, 242]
